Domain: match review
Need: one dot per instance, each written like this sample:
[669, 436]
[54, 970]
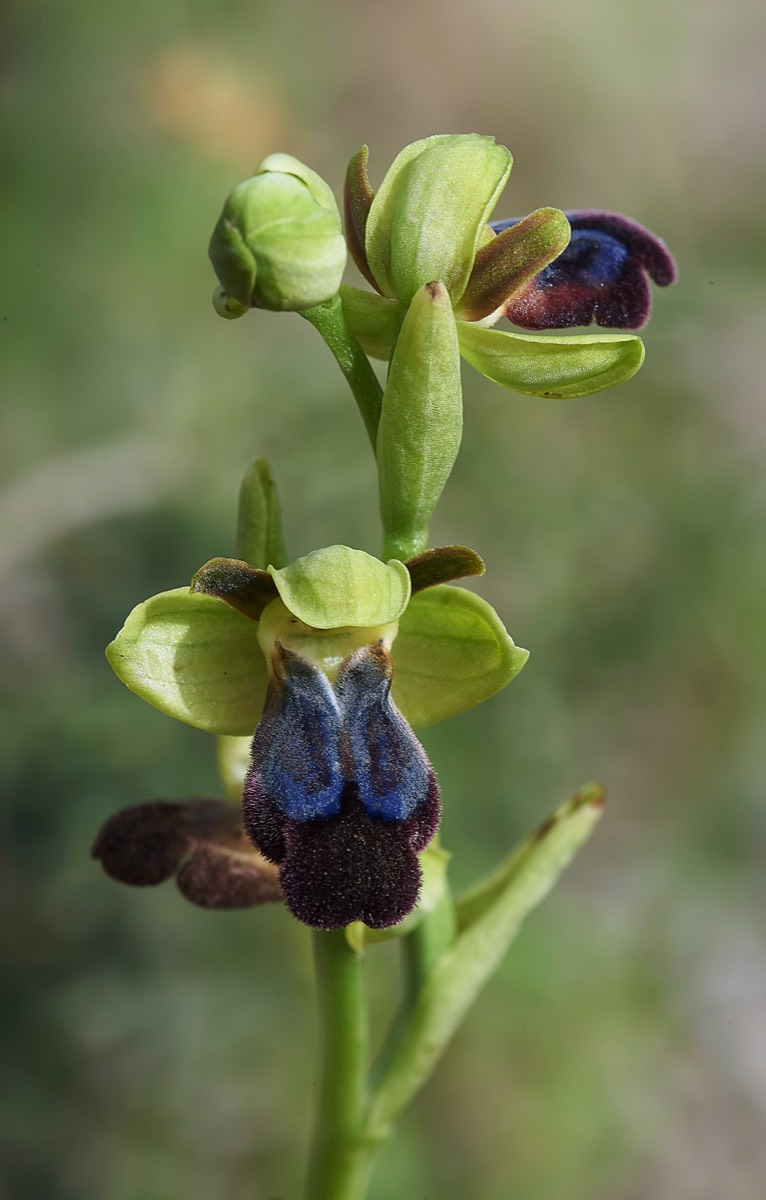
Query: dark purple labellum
[340, 792]
[601, 277]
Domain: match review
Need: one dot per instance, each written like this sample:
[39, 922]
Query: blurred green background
[154, 1051]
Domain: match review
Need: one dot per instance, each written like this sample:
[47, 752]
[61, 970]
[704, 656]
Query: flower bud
[278, 243]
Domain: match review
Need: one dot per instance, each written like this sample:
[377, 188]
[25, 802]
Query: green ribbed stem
[329, 321]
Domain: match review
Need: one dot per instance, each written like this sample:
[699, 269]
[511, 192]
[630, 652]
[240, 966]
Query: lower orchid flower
[328, 665]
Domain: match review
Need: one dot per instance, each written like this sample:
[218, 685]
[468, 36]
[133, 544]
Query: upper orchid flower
[330, 663]
[429, 223]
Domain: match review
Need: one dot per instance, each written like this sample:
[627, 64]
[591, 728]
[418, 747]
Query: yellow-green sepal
[452, 651]
[338, 586]
[194, 658]
[429, 215]
[554, 367]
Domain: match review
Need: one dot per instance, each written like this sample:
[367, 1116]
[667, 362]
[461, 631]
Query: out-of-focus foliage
[155, 1051]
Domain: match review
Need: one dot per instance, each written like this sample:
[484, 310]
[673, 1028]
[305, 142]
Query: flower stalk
[342, 1152]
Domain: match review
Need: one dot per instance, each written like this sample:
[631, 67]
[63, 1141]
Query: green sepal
[443, 564]
[433, 866]
[357, 200]
[421, 422]
[195, 659]
[245, 588]
[510, 260]
[452, 651]
[554, 367]
[462, 971]
[338, 586]
[278, 243]
[260, 537]
[373, 320]
[431, 210]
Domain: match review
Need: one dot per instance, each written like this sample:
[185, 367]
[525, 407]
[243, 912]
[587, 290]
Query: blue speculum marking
[297, 746]
[314, 739]
[601, 276]
[387, 762]
[591, 258]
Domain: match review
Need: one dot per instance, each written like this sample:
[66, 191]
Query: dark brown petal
[443, 565]
[237, 583]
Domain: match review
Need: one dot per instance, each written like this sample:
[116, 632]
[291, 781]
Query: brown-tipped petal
[241, 586]
[218, 878]
[443, 565]
[357, 199]
[142, 846]
[511, 260]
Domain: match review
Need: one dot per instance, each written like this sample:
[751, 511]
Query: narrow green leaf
[338, 586]
[473, 904]
[462, 972]
[552, 366]
[195, 659]
[452, 652]
[421, 422]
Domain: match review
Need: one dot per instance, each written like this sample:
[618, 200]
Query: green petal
[196, 659]
[556, 367]
[428, 217]
[452, 652]
[372, 319]
[339, 586]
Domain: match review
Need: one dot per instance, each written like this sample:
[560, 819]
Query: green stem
[330, 322]
[342, 1154]
[403, 547]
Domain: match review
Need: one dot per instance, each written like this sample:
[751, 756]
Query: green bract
[197, 658]
[428, 223]
[278, 243]
[421, 421]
